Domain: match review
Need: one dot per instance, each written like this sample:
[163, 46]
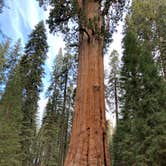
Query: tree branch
[107, 5]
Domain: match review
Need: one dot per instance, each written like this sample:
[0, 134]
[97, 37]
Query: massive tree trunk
[88, 144]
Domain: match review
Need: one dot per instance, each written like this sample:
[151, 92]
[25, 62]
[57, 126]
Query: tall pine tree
[148, 21]
[55, 131]
[31, 76]
[10, 109]
[4, 49]
[140, 134]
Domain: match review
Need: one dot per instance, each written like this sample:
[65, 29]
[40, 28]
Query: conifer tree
[140, 133]
[10, 122]
[55, 130]
[112, 91]
[148, 21]
[10, 111]
[9, 58]
[143, 88]
[112, 86]
[4, 49]
[31, 73]
[2, 4]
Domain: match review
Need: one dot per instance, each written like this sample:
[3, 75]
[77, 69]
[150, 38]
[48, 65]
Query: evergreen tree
[112, 92]
[143, 88]
[112, 89]
[31, 73]
[140, 134]
[47, 142]
[10, 122]
[148, 22]
[55, 130]
[9, 57]
[10, 111]
[4, 49]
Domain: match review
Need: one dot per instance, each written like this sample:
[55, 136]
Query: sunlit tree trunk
[88, 144]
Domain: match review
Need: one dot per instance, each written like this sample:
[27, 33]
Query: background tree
[112, 91]
[112, 87]
[55, 130]
[144, 52]
[4, 49]
[142, 108]
[149, 23]
[10, 109]
[31, 76]
[9, 57]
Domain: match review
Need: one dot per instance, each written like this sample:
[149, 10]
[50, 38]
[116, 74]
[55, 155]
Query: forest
[96, 114]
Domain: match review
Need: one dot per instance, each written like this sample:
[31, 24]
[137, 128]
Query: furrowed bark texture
[88, 144]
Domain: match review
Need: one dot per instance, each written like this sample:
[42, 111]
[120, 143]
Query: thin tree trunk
[65, 136]
[63, 123]
[88, 144]
[116, 101]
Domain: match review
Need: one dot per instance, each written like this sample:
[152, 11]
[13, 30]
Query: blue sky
[17, 21]
[19, 18]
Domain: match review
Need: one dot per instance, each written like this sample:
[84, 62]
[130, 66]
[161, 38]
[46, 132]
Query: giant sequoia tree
[9, 56]
[93, 23]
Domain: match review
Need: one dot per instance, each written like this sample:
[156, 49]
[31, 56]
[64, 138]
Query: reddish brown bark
[88, 144]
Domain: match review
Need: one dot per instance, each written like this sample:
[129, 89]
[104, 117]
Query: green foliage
[31, 73]
[55, 131]
[142, 122]
[21, 79]
[10, 121]
[19, 105]
[10, 104]
[48, 147]
[9, 56]
[60, 14]
[147, 20]
[69, 17]
[4, 47]
[112, 88]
